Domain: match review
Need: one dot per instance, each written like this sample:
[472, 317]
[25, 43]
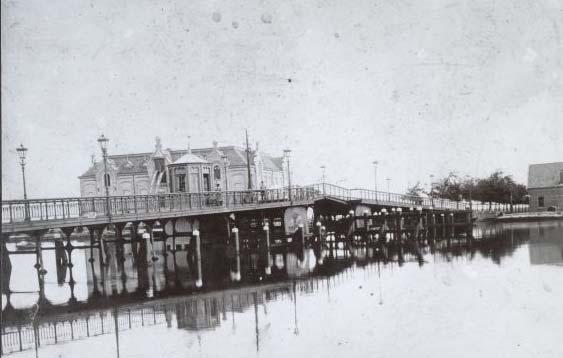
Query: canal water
[499, 295]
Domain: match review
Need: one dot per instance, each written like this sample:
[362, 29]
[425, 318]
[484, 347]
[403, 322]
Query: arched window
[217, 172]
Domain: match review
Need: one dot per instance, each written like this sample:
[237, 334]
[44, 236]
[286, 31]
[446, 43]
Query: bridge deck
[38, 214]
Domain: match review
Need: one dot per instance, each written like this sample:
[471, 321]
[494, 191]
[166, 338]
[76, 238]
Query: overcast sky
[421, 86]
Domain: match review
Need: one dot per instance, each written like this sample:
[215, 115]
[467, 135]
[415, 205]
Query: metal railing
[38, 210]
[392, 199]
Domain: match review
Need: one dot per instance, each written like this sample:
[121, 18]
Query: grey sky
[422, 86]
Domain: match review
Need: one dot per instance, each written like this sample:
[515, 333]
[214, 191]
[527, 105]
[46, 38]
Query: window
[159, 164]
[217, 172]
[182, 182]
[107, 180]
[206, 182]
[540, 201]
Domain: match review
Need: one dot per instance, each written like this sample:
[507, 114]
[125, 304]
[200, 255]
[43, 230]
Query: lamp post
[375, 162]
[225, 162]
[432, 189]
[104, 146]
[286, 154]
[388, 191]
[22, 152]
[323, 168]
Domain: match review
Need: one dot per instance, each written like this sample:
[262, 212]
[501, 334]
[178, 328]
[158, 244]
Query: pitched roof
[124, 163]
[272, 163]
[545, 175]
[136, 162]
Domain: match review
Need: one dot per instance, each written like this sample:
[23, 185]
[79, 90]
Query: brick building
[184, 170]
[545, 186]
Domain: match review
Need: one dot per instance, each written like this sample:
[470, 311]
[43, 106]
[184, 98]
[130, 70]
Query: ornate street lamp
[432, 189]
[104, 147]
[286, 154]
[22, 152]
[375, 162]
[388, 192]
[225, 162]
[323, 168]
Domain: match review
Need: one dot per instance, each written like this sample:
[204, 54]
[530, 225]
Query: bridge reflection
[153, 285]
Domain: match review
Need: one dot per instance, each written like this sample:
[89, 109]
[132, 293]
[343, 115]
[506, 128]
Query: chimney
[189, 148]
[215, 144]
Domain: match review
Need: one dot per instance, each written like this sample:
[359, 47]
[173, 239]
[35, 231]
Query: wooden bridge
[20, 216]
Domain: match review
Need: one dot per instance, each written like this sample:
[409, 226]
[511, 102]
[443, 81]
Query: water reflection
[120, 294]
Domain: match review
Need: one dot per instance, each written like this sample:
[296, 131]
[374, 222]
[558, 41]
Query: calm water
[499, 296]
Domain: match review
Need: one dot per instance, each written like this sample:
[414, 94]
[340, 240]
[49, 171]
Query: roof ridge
[546, 163]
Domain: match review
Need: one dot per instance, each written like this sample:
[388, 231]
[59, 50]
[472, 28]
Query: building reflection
[130, 286]
[546, 244]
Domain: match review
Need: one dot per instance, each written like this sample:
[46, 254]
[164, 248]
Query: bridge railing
[14, 211]
[404, 199]
[388, 198]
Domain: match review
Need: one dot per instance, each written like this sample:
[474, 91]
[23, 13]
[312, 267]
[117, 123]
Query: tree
[500, 188]
[448, 187]
[497, 187]
[416, 190]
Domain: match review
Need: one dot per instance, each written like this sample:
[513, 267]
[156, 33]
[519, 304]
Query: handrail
[37, 210]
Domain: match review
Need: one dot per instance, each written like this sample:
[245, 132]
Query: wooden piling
[237, 252]
[320, 235]
[196, 235]
[302, 229]
[268, 268]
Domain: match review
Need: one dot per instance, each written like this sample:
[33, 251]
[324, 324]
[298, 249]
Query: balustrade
[69, 208]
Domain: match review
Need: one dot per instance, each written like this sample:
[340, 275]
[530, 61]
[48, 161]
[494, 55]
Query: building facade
[188, 170]
[545, 186]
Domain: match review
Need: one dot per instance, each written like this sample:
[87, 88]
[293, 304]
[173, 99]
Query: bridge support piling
[433, 224]
[469, 224]
[443, 222]
[39, 255]
[268, 268]
[6, 265]
[150, 226]
[319, 233]
[196, 234]
[401, 226]
[119, 244]
[384, 226]
[237, 253]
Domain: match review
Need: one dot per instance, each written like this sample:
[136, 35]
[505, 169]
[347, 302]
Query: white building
[187, 170]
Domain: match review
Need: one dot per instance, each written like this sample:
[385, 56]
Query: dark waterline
[434, 299]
